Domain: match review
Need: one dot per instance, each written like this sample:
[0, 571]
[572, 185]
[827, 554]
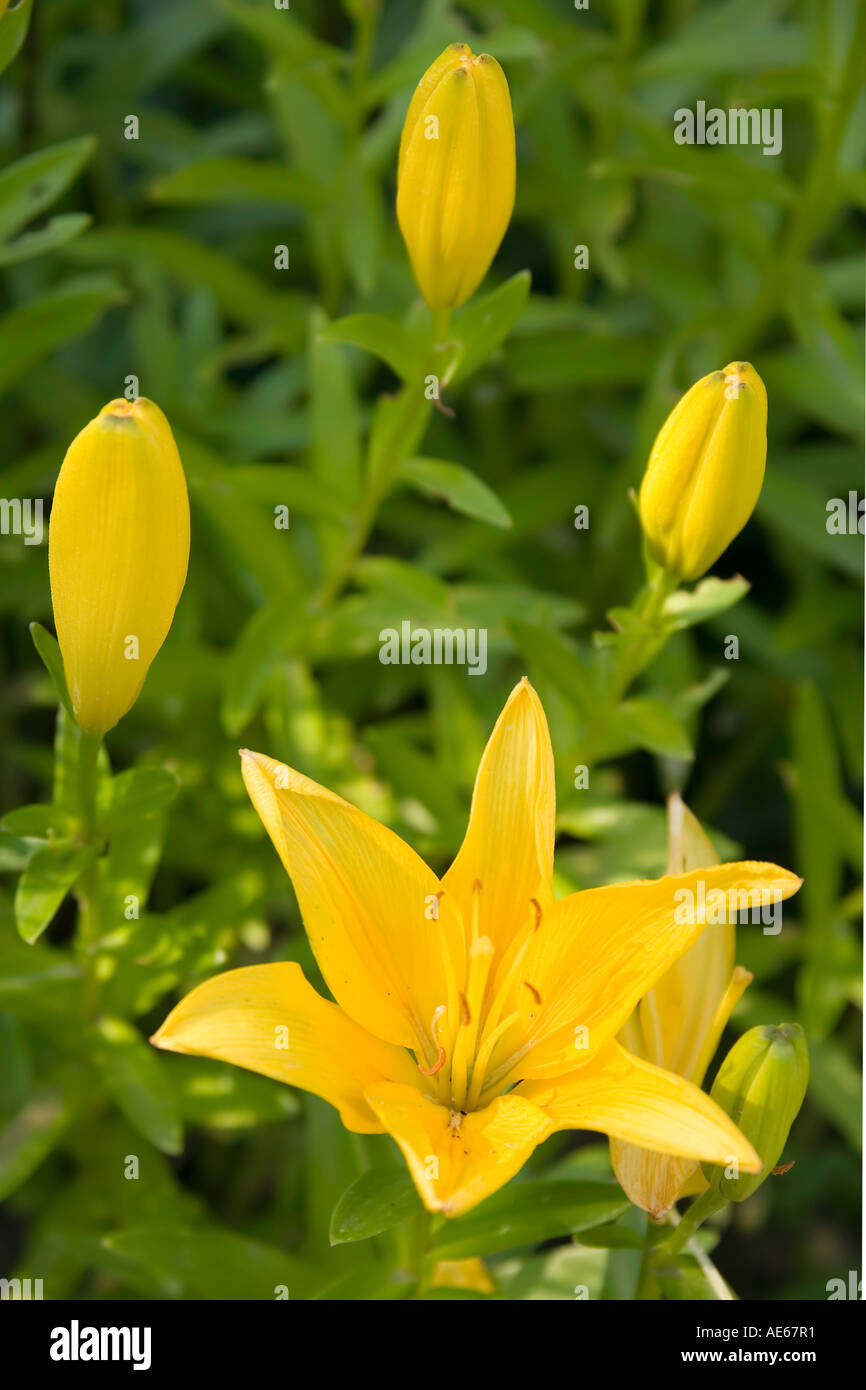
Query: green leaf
[32, 184]
[214, 1095]
[686, 1279]
[140, 792]
[39, 822]
[33, 330]
[55, 233]
[556, 659]
[335, 421]
[527, 1213]
[484, 325]
[654, 726]
[376, 1201]
[820, 860]
[381, 336]
[133, 1075]
[48, 877]
[835, 1084]
[686, 608]
[207, 1263]
[49, 653]
[13, 31]
[210, 182]
[457, 486]
[40, 985]
[28, 1138]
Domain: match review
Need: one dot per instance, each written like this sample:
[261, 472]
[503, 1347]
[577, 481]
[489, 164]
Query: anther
[536, 907]
[533, 991]
[437, 1065]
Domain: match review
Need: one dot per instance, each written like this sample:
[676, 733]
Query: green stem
[89, 888]
[410, 412]
[703, 1207]
[632, 657]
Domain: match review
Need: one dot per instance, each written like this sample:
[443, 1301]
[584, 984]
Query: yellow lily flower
[705, 470]
[469, 1274]
[456, 174]
[475, 1015]
[679, 1023]
[118, 547]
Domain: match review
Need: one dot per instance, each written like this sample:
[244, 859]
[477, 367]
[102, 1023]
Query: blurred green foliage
[154, 257]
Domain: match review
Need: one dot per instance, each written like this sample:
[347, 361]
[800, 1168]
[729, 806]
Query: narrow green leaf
[137, 793]
[49, 653]
[134, 1076]
[686, 608]
[462, 490]
[206, 1263]
[527, 1213]
[49, 876]
[376, 1201]
[654, 726]
[27, 1140]
[33, 183]
[13, 31]
[211, 182]
[55, 233]
[39, 822]
[386, 339]
[485, 324]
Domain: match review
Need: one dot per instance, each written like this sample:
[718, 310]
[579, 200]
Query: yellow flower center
[465, 1032]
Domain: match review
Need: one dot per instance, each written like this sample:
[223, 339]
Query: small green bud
[760, 1085]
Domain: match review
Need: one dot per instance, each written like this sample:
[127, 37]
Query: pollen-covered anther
[434, 1032]
[437, 1065]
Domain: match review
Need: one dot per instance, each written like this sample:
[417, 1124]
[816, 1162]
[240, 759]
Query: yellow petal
[671, 1024]
[385, 939]
[630, 1099]
[457, 1160]
[653, 1181]
[599, 951]
[462, 1274]
[268, 1019]
[118, 547]
[456, 174]
[706, 470]
[508, 847]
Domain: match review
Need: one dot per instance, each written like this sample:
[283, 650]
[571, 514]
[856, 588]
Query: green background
[155, 257]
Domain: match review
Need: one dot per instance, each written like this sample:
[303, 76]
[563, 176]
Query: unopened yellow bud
[456, 175]
[706, 470]
[118, 547]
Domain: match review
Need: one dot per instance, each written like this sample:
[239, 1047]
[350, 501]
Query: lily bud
[760, 1085]
[118, 547]
[679, 1023]
[456, 174]
[705, 470]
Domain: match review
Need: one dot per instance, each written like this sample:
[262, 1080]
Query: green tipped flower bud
[760, 1085]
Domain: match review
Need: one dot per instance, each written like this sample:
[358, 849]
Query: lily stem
[411, 408]
[89, 887]
[703, 1207]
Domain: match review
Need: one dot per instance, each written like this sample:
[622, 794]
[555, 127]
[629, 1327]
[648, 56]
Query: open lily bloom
[475, 1015]
[679, 1024]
